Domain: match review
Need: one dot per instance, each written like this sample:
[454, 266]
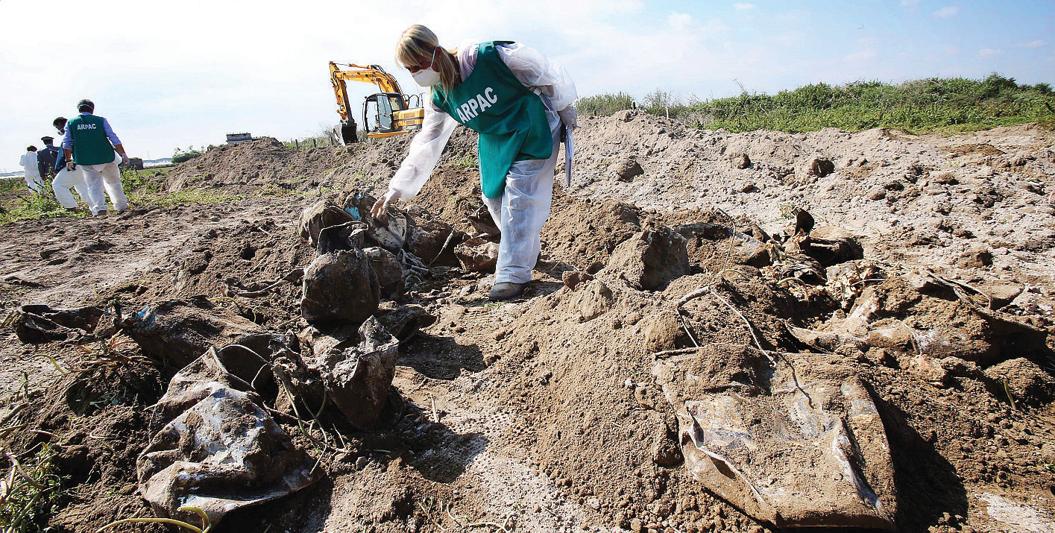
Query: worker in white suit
[517, 100]
[31, 170]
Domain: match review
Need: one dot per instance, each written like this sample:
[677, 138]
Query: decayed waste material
[905, 288]
[796, 442]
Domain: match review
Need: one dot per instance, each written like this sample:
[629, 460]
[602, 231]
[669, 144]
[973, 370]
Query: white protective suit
[525, 203]
[66, 179]
[32, 172]
[105, 176]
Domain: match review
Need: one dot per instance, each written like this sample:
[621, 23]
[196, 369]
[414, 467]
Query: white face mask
[427, 77]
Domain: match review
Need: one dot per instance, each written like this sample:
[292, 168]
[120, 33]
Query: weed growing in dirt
[27, 205]
[934, 104]
[28, 491]
[468, 162]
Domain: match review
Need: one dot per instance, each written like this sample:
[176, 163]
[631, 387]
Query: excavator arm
[368, 74]
[398, 117]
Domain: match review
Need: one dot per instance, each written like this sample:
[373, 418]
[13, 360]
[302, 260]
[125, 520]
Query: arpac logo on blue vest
[83, 126]
[476, 105]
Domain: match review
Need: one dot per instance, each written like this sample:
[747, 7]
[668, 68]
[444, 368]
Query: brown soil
[543, 414]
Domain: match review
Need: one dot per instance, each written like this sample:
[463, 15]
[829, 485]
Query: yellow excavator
[385, 114]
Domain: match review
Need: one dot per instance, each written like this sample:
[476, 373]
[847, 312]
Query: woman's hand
[380, 208]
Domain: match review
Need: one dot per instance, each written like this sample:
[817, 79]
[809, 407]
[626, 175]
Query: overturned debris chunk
[359, 378]
[354, 373]
[922, 313]
[388, 269]
[477, 255]
[221, 454]
[177, 332]
[339, 237]
[1025, 381]
[801, 447]
[40, 323]
[318, 216]
[828, 245]
[651, 259]
[235, 366]
[340, 288]
[433, 241]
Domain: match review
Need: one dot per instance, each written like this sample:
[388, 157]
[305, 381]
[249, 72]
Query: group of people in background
[87, 162]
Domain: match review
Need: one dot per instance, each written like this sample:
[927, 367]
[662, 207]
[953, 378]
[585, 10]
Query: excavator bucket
[348, 133]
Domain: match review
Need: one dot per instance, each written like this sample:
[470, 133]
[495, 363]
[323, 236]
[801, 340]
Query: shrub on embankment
[934, 104]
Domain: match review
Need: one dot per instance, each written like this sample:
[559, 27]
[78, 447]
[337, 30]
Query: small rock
[573, 278]
[627, 169]
[477, 255]
[821, 167]
[651, 259]
[665, 452]
[1026, 381]
[976, 258]
[743, 161]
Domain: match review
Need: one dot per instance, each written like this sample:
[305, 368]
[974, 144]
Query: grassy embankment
[142, 187]
[930, 105]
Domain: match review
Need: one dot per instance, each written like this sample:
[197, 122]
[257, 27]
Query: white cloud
[947, 12]
[986, 53]
[743, 6]
[679, 21]
[1038, 43]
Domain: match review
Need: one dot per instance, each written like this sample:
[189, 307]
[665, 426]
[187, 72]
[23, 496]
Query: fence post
[314, 142]
[296, 142]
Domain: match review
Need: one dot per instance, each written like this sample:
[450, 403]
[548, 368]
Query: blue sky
[173, 74]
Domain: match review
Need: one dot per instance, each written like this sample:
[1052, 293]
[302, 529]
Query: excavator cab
[388, 114]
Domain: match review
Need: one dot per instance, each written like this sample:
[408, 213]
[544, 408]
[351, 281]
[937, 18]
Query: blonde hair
[416, 47]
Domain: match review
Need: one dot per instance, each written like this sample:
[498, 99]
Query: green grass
[935, 104]
[143, 188]
[604, 104]
[35, 489]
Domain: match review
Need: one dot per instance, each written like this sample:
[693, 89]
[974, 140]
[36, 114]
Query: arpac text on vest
[477, 104]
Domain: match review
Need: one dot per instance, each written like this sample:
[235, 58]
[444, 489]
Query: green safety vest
[510, 118]
[90, 144]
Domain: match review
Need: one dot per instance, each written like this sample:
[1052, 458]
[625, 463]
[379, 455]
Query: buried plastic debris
[797, 445]
[319, 216]
[222, 453]
[920, 313]
[177, 332]
[388, 269]
[235, 366]
[340, 287]
[39, 323]
[356, 378]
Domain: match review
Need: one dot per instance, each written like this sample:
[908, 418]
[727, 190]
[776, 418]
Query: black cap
[86, 103]
[47, 138]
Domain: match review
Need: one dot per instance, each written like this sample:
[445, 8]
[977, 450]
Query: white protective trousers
[64, 180]
[31, 172]
[522, 210]
[105, 176]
